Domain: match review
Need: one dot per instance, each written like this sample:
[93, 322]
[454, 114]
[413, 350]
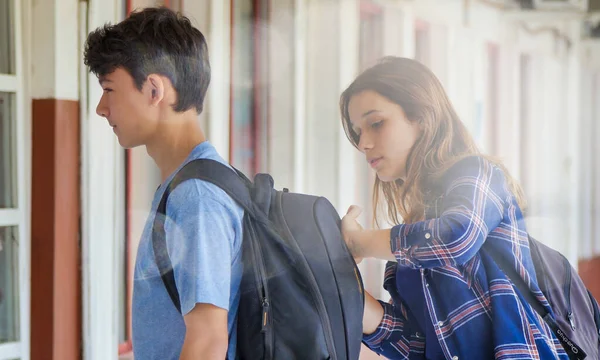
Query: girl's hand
[350, 228]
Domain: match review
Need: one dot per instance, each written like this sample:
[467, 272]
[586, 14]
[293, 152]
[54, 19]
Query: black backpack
[577, 318]
[301, 291]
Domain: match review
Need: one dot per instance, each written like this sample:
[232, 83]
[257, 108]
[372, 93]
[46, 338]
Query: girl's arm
[472, 206]
[386, 330]
[373, 314]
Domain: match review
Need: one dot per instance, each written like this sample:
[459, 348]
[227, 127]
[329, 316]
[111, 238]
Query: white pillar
[22, 21]
[349, 30]
[102, 198]
[280, 59]
[322, 94]
[54, 50]
[300, 66]
[572, 115]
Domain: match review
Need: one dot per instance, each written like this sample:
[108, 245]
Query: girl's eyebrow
[370, 112]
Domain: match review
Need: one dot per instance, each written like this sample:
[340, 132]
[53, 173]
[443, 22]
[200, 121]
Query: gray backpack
[301, 295]
[576, 321]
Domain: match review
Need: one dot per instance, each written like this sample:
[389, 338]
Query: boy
[154, 70]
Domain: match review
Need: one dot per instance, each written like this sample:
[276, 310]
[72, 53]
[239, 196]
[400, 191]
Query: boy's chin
[127, 144]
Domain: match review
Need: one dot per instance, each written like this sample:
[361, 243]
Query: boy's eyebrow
[102, 79]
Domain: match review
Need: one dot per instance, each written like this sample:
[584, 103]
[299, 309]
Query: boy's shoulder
[200, 193]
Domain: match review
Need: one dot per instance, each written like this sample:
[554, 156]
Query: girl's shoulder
[467, 168]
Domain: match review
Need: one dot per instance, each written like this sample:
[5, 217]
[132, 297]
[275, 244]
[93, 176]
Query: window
[7, 37]
[249, 85]
[13, 309]
[7, 151]
[9, 286]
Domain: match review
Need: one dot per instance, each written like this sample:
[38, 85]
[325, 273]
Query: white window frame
[13, 83]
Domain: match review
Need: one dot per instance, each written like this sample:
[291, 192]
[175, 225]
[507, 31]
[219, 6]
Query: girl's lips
[375, 162]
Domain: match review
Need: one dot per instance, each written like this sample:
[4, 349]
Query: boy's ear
[157, 88]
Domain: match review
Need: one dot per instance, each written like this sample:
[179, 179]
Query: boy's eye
[107, 90]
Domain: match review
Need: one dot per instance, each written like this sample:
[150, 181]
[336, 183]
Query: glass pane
[7, 43]
[9, 285]
[8, 168]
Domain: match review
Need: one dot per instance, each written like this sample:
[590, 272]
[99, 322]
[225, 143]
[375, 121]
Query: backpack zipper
[320, 304]
[264, 291]
[359, 282]
[567, 293]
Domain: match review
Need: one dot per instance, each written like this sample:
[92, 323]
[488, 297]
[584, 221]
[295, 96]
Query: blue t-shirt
[204, 237]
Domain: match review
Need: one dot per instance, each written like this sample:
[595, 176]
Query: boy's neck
[174, 141]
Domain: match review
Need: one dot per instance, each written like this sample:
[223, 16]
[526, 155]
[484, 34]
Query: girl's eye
[377, 124]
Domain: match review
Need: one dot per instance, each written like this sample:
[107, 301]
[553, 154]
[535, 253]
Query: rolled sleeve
[389, 339]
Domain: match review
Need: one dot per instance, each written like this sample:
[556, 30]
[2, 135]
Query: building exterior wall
[527, 95]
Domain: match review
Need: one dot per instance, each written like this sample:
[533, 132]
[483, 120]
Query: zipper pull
[265, 313]
[571, 321]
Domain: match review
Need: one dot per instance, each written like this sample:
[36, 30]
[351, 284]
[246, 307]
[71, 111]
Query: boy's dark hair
[154, 41]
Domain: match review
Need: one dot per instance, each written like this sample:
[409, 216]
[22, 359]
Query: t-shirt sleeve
[200, 234]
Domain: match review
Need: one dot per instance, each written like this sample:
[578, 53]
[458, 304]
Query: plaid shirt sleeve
[472, 206]
[391, 338]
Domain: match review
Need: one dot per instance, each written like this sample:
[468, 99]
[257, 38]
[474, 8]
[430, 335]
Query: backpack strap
[572, 349]
[262, 192]
[596, 312]
[519, 283]
[233, 182]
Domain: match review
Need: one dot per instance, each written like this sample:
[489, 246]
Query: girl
[449, 299]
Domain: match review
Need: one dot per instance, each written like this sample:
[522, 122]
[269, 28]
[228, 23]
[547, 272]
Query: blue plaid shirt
[473, 309]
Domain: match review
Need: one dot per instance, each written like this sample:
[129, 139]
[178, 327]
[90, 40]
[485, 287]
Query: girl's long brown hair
[444, 139]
